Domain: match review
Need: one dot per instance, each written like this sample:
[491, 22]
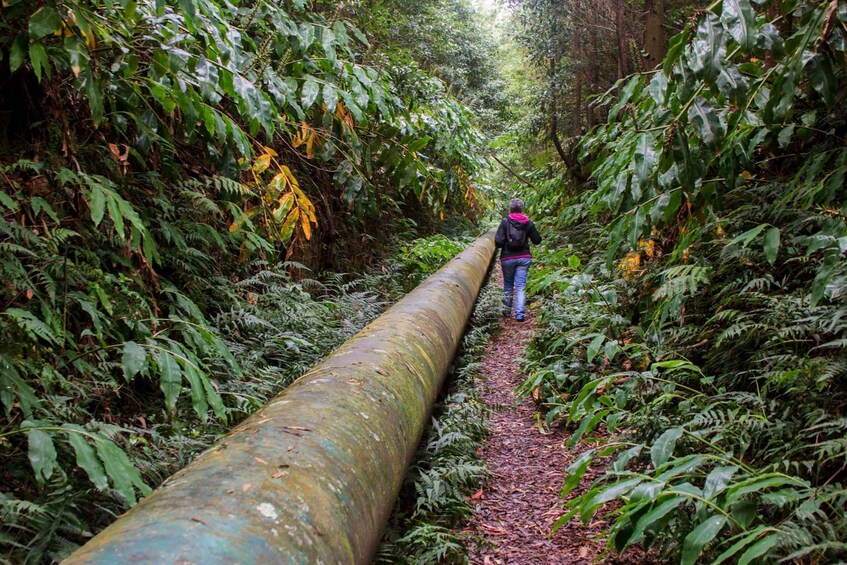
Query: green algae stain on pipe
[312, 476]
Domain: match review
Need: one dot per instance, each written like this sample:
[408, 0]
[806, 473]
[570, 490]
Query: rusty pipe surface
[313, 475]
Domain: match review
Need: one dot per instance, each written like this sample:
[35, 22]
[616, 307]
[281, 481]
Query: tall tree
[654, 31]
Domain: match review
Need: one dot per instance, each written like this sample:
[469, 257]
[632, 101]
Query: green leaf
[95, 96]
[31, 324]
[40, 62]
[822, 76]
[328, 45]
[747, 236]
[605, 495]
[759, 483]
[625, 457]
[663, 447]
[653, 516]
[86, 458]
[708, 49]
[310, 92]
[771, 244]
[170, 378]
[717, 480]
[645, 157]
[41, 452]
[44, 22]
[785, 135]
[744, 512]
[758, 549]
[676, 46]
[97, 203]
[113, 204]
[198, 394]
[697, 539]
[133, 359]
[330, 97]
[576, 471]
[7, 202]
[706, 120]
[125, 478]
[746, 539]
[732, 83]
[17, 54]
[594, 347]
[739, 20]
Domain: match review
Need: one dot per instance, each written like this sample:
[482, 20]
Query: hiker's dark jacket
[501, 237]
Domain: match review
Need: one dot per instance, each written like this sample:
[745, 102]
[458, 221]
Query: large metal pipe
[312, 476]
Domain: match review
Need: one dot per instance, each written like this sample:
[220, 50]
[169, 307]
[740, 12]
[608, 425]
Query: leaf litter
[515, 511]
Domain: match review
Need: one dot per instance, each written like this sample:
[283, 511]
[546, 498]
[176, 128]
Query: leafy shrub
[423, 256]
[160, 160]
[707, 336]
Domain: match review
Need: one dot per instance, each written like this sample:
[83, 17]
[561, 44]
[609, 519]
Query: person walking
[513, 237]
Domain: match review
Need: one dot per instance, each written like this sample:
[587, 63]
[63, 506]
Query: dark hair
[516, 205]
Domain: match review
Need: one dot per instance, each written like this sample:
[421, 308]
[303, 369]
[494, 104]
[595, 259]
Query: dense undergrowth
[695, 306]
[162, 164]
[434, 499]
[275, 329]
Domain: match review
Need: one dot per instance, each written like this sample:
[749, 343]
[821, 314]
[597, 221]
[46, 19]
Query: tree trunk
[592, 85]
[578, 56]
[568, 157]
[620, 32]
[577, 103]
[554, 130]
[654, 32]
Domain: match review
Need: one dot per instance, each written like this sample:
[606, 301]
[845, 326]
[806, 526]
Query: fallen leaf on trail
[246, 487]
[477, 495]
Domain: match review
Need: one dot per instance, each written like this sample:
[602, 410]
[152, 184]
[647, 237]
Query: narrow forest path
[516, 509]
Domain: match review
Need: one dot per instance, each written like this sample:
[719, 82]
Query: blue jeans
[514, 278]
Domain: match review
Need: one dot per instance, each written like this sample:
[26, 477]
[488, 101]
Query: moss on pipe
[312, 476]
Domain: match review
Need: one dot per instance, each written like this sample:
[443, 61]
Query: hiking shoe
[520, 319]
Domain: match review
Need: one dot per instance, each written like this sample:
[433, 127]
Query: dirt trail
[515, 511]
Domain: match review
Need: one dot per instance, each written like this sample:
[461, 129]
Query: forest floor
[516, 509]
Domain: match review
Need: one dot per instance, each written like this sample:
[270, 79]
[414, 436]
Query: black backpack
[516, 233]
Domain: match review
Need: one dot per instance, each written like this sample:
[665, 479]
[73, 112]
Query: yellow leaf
[90, 40]
[306, 207]
[262, 163]
[292, 180]
[287, 227]
[285, 204]
[307, 228]
[270, 151]
[279, 181]
[310, 146]
[299, 193]
[311, 214]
